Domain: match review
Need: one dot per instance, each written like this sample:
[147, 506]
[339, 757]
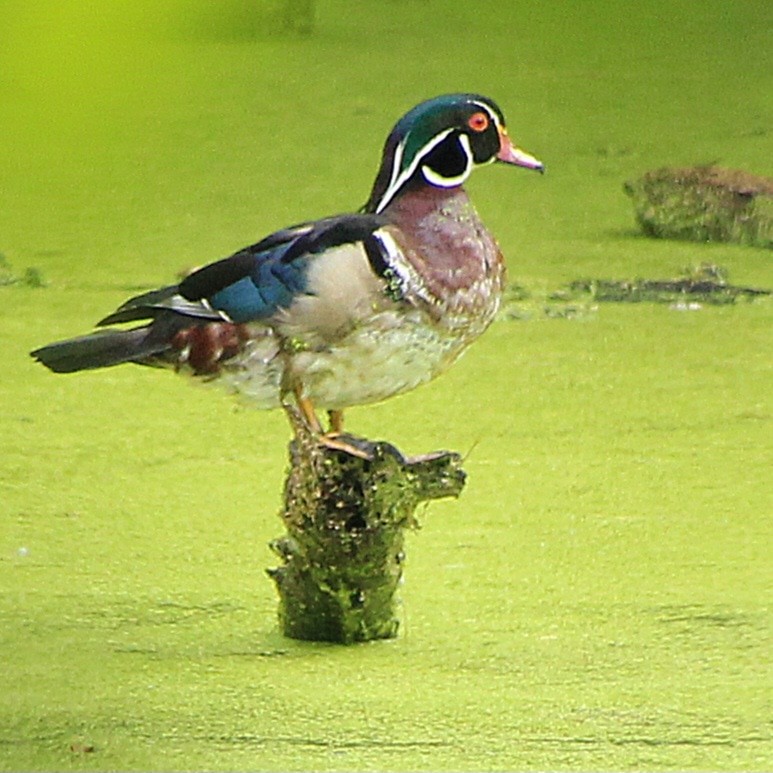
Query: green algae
[597, 598]
[704, 203]
[30, 277]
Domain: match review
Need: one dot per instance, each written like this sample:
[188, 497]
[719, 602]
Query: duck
[346, 310]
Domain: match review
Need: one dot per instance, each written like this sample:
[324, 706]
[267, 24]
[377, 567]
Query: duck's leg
[336, 422]
[306, 408]
[331, 439]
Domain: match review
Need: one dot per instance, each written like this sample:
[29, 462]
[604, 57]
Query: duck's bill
[509, 154]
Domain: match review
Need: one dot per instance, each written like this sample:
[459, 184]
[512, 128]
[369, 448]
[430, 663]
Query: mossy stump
[346, 510]
[704, 203]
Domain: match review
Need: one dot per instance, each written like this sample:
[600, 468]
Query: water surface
[600, 595]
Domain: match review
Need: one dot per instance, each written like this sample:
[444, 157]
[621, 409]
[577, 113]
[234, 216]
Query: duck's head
[439, 143]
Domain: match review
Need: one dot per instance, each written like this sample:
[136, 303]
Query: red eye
[478, 122]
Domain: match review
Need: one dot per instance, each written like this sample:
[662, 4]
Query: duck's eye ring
[478, 122]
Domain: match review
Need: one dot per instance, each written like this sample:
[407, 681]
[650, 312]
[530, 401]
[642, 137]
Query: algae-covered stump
[704, 203]
[346, 510]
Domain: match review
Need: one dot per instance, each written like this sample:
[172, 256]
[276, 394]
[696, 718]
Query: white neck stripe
[399, 179]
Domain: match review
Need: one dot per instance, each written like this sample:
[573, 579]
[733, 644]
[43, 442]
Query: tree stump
[346, 509]
[704, 203]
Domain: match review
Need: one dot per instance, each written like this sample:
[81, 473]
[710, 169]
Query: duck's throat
[450, 248]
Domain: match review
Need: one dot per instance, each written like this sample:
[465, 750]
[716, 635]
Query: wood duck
[345, 310]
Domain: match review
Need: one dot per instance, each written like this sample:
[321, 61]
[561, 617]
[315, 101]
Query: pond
[598, 597]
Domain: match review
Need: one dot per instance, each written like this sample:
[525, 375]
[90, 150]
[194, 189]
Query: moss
[706, 204]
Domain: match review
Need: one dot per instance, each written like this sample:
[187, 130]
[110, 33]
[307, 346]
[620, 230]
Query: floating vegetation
[519, 303]
[705, 204]
[705, 283]
[31, 277]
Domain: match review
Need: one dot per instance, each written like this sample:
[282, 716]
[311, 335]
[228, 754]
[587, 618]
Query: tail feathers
[99, 350]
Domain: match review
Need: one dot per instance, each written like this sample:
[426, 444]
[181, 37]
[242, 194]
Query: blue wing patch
[269, 286]
[255, 282]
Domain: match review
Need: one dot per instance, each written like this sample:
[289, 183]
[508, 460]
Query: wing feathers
[255, 282]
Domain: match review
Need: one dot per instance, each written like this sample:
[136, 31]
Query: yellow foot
[334, 439]
[308, 413]
[337, 442]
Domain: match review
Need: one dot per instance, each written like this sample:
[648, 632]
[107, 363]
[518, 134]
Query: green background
[599, 597]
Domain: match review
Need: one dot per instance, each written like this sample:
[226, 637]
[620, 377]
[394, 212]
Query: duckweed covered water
[599, 597]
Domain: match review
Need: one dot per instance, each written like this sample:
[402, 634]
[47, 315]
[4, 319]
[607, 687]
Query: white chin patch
[433, 178]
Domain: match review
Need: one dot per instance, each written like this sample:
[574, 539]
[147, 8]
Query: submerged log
[346, 510]
[704, 203]
[704, 283]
